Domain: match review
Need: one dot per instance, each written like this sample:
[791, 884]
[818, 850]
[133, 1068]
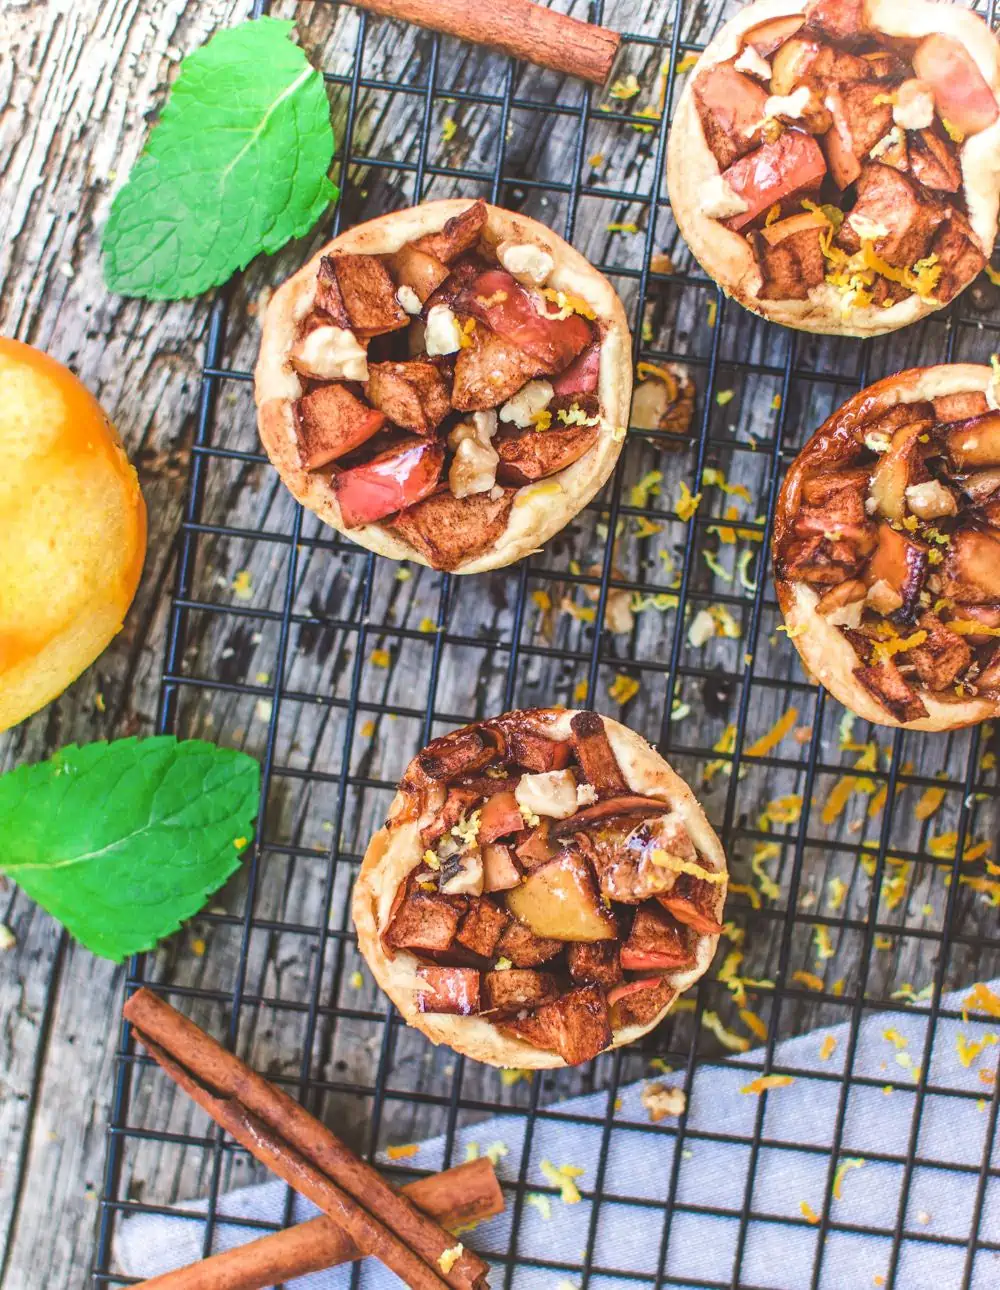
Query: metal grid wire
[358, 667]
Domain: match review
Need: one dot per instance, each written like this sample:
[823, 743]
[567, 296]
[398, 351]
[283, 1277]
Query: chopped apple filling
[899, 537]
[400, 348]
[549, 900]
[820, 111]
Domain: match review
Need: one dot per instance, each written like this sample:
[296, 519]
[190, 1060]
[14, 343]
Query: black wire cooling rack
[852, 892]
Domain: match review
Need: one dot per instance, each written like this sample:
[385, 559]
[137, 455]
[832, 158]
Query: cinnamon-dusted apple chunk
[835, 164]
[448, 384]
[887, 549]
[543, 889]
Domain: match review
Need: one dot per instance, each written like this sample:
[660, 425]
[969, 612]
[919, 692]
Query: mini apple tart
[835, 164]
[887, 550]
[543, 889]
[448, 384]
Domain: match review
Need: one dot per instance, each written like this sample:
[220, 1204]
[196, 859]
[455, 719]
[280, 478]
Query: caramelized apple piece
[517, 988]
[731, 108]
[500, 817]
[692, 901]
[490, 371]
[481, 928]
[960, 407]
[524, 949]
[933, 162]
[460, 234]
[500, 873]
[576, 1025]
[842, 605]
[598, 963]
[421, 272]
[901, 561]
[842, 515]
[637, 1003]
[632, 868]
[560, 901]
[942, 657]
[413, 395]
[594, 753]
[582, 375]
[457, 803]
[961, 94]
[982, 485]
[897, 469]
[328, 295]
[453, 990]
[975, 442]
[505, 307]
[657, 942]
[889, 200]
[606, 810]
[820, 488]
[425, 921]
[369, 294]
[842, 20]
[988, 680]
[767, 36]
[801, 59]
[389, 482]
[959, 255]
[858, 124]
[448, 530]
[818, 561]
[790, 168]
[537, 752]
[536, 847]
[884, 681]
[461, 752]
[970, 573]
[790, 257]
[331, 422]
[530, 455]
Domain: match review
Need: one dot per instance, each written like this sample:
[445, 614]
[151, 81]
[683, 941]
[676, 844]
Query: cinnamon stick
[466, 1194]
[517, 27]
[213, 1075]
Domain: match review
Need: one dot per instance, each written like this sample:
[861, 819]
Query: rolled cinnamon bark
[467, 1194]
[213, 1077]
[516, 27]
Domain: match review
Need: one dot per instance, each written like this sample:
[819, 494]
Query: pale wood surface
[76, 96]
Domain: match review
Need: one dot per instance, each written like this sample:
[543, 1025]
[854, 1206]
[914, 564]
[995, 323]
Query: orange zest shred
[762, 746]
[764, 1082]
[644, 370]
[969, 1049]
[744, 889]
[807, 1211]
[753, 1023]
[735, 1043]
[930, 800]
[405, 1152]
[809, 979]
[827, 1047]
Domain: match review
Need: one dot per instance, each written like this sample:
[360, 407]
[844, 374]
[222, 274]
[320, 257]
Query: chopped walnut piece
[661, 1101]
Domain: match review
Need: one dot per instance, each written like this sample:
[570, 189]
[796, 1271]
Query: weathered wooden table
[78, 89]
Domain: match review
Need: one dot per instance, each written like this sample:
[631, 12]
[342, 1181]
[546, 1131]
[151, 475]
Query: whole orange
[72, 530]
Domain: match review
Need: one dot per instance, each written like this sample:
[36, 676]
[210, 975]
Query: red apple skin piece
[449, 989]
[768, 36]
[776, 172]
[500, 873]
[961, 94]
[501, 815]
[389, 482]
[582, 374]
[497, 300]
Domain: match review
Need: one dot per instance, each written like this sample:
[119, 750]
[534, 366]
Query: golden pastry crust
[826, 653]
[395, 850]
[727, 255]
[540, 509]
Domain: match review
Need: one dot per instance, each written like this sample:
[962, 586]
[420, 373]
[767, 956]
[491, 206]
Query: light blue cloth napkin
[953, 1132]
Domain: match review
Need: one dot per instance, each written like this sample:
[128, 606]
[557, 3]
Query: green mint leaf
[122, 841]
[236, 165]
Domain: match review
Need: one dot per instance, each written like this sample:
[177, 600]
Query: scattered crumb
[7, 938]
[242, 585]
[448, 1258]
[661, 1101]
[357, 980]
